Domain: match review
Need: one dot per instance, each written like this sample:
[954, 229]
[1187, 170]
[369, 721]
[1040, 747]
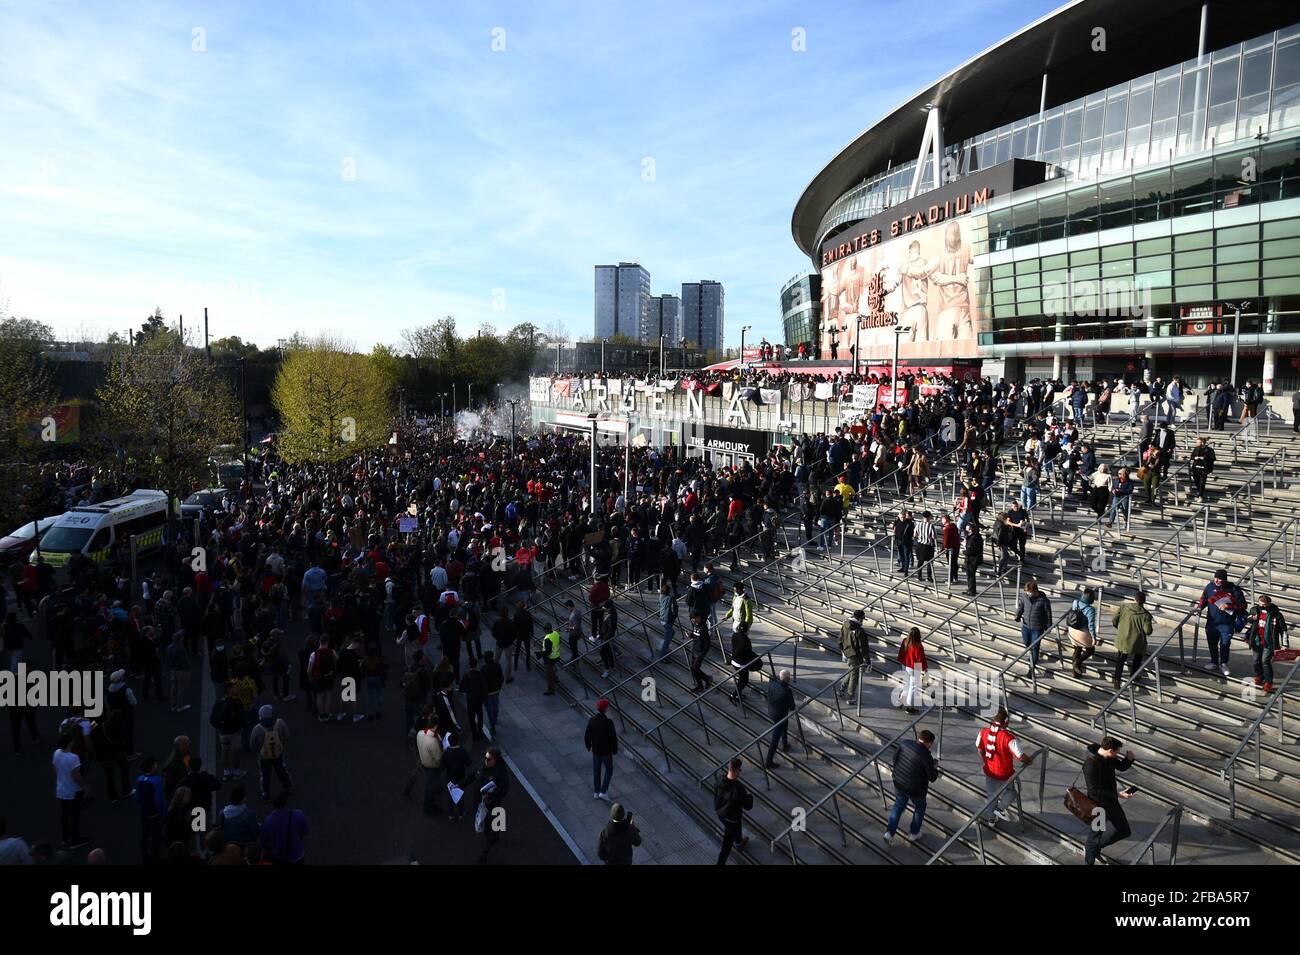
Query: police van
[93, 529]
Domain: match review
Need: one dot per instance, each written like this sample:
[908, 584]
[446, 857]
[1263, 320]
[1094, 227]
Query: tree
[153, 325]
[27, 397]
[166, 408]
[332, 402]
[232, 346]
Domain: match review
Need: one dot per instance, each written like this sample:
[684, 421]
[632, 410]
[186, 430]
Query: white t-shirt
[65, 764]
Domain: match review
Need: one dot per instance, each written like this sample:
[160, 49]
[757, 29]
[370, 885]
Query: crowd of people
[326, 552]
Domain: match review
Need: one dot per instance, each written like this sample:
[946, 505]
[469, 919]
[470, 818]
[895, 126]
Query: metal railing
[1278, 700]
[1174, 817]
[1012, 782]
[1152, 660]
[1276, 461]
[834, 794]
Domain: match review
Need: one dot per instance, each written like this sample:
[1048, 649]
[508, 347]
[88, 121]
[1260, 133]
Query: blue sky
[367, 167]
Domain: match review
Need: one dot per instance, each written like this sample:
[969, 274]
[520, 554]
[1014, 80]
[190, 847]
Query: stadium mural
[924, 280]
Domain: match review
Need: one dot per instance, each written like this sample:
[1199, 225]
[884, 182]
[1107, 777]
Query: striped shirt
[924, 533]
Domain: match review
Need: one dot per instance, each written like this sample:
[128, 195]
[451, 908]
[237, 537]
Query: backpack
[324, 665]
[1075, 619]
[272, 747]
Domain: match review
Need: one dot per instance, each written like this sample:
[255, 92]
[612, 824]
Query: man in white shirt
[68, 790]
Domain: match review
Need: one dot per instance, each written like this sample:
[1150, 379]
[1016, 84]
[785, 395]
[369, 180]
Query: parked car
[16, 545]
[201, 504]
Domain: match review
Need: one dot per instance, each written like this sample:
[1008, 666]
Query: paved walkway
[551, 756]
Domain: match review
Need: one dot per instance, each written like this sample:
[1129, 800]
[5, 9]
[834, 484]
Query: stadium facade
[1114, 189]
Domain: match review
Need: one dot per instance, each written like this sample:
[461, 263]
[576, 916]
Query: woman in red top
[911, 657]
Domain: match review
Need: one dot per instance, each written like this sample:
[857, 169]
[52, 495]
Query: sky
[363, 168]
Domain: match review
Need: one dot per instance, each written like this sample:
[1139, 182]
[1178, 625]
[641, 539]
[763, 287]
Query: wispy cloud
[364, 168]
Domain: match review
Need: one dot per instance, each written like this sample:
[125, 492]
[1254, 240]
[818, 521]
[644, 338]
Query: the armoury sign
[652, 398]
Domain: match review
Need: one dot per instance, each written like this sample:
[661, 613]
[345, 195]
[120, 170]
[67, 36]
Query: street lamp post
[513, 402]
[661, 355]
[743, 330]
[594, 424]
[442, 407]
[899, 332]
[453, 401]
[603, 343]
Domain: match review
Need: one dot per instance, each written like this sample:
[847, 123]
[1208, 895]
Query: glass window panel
[1238, 253]
[1236, 234]
[1166, 99]
[1238, 289]
[1281, 228]
[1052, 132]
[1090, 158]
[1149, 246]
[1193, 276]
[1092, 121]
[1072, 126]
[1223, 81]
[1084, 256]
[1288, 63]
[1004, 149]
[1116, 115]
[1191, 115]
[1027, 267]
[1275, 267]
[1192, 179]
[1058, 261]
[1233, 273]
[1121, 250]
[1139, 108]
[1051, 217]
[1282, 287]
[1083, 210]
[1153, 263]
[1193, 240]
[1031, 140]
[1194, 293]
[1018, 144]
[1194, 258]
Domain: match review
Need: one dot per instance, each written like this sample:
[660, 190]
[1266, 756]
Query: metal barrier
[1291, 527]
[833, 796]
[1276, 461]
[1012, 782]
[1255, 732]
[1173, 817]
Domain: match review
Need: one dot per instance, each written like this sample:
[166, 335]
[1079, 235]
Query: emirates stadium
[1113, 190]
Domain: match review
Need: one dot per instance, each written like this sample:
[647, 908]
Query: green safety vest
[552, 638]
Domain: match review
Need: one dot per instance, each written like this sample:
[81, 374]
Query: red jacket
[995, 751]
[912, 656]
[599, 594]
[951, 539]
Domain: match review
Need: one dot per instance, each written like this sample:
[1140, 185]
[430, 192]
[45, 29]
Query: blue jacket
[149, 795]
[1229, 594]
[1089, 613]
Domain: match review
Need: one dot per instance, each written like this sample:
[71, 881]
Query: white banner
[823, 391]
[539, 389]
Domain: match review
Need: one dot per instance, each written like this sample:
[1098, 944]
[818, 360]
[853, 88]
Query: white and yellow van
[93, 529]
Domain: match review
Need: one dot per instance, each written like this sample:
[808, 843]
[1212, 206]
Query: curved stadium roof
[1004, 82]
